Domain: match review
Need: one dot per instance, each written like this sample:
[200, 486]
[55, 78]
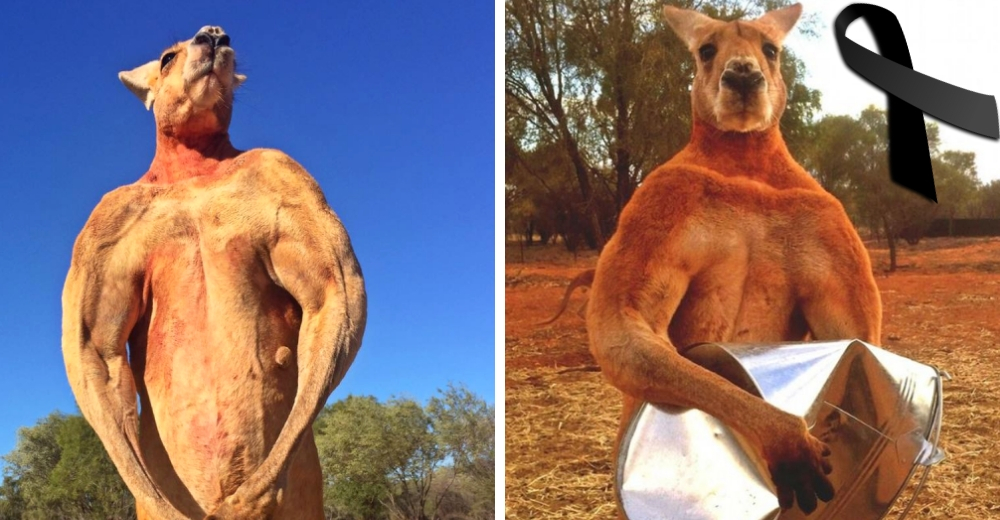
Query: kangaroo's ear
[782, 19]
[238, 80]
[140, 81]
[686, 23]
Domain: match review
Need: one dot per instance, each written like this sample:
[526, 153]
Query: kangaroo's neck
[177, 159]
[760, 155]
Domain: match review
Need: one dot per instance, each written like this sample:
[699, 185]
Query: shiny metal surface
[879, 412]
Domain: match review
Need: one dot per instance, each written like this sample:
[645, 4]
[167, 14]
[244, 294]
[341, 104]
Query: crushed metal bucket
[880, 413]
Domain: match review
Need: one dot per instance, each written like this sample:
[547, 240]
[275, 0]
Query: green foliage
[59, 469]
[12, 505]
[398, 460]
[987, 201]
[28, 466]
[466, 429]
[850, 159]
[878, 203]
[957, 182]
[797, 123]
[350, 437]
[843, 149]
[85, 478]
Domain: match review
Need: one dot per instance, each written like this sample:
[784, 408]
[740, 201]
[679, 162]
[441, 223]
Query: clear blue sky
[390, 106]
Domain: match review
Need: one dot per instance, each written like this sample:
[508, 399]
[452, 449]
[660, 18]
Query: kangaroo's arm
[310, 256]
[101, 303]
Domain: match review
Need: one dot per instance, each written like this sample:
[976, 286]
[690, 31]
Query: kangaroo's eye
[707, 52]
[166, 59]
[770, 51]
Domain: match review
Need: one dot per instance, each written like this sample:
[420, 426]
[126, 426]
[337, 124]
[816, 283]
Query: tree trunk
[890, 238]
[544, 235]
[892, 252]
[594, 236]
[623, 158]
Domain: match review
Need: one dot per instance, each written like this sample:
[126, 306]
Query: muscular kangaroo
[731, 241]
[238, 295]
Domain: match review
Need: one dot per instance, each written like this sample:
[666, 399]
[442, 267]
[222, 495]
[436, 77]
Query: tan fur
[240, 298]
[731, 241]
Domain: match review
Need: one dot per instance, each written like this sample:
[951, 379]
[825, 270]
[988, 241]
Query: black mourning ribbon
[910, 94]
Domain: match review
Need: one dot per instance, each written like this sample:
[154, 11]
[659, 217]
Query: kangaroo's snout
[213, 36]
[742, 75]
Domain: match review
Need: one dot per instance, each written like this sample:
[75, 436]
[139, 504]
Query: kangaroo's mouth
[742, 111]
[210, 54]
[212, 74]
[214, 60]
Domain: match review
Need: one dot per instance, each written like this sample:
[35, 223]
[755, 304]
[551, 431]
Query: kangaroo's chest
[204, 351]
[747, 295]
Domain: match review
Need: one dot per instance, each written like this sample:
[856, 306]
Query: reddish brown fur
[238, 293]
[730, 241]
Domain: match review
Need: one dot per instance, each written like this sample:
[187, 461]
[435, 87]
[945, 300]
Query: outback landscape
[941, 307]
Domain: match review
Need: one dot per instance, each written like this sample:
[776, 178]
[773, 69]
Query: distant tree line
[964, 227]
[597, 95]
[393, 460]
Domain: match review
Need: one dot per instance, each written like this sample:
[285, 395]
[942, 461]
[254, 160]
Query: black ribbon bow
[910, 94]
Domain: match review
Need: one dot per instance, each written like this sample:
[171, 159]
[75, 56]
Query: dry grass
[941, 308]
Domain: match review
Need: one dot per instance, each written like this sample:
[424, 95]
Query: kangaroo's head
[737, 84]
[190, 86]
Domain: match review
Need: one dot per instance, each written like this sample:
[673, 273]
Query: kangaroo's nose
[742, 76]
[212, 36]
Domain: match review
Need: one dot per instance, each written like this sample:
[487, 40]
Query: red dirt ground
[941, 307]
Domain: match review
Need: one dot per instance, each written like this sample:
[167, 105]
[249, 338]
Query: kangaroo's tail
[584, 279]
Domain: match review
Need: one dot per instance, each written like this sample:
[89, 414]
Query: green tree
[896, 211]
[85, 479]
[415, 461]
[957, 183]
[350, 437]
[988, 200]
[32, 461]
[59, 469]
[12, 505]
[843, 148]
[850, 159]
[379, 460]
[466, 428]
